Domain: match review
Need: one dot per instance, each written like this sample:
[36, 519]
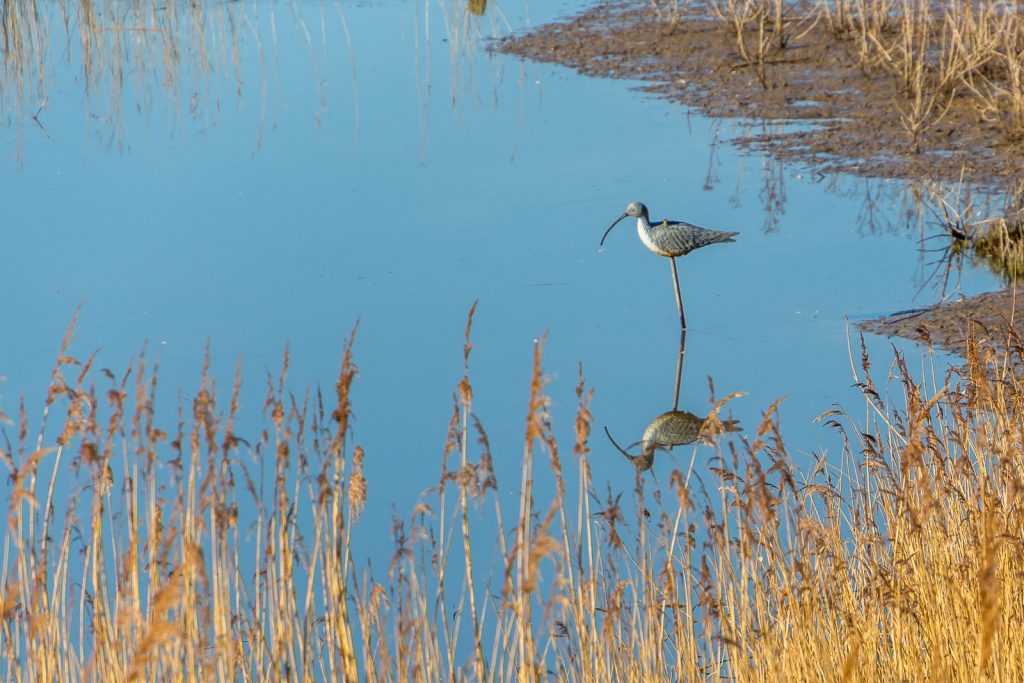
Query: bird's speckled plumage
[677, 238]
[670, 238]
[668, 430]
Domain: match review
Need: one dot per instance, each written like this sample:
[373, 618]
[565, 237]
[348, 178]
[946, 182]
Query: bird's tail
[731, 426]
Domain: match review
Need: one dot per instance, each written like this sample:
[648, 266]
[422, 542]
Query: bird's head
[634, 210]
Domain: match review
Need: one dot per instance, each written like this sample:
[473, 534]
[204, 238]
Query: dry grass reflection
[188, 61]
[130, 55]
[959, 222]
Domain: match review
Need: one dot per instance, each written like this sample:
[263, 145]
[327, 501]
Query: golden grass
[185, 552]
[932, 56]
[938, 54]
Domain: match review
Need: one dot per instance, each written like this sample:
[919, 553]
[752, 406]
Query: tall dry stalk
[193, 552]
[939, 56]
[762, 30]
[669, 13]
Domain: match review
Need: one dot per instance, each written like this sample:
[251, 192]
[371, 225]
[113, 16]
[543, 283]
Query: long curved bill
[612, 226]
[619, 448]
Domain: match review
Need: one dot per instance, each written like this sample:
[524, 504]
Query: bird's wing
[676, 237]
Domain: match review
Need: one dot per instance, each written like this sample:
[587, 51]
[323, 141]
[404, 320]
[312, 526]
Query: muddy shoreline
[814, 107]
[839, 119]
[990, 316]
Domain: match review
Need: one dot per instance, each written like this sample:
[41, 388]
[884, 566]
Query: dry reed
[939, 56]
[176, 556]
[927, 58]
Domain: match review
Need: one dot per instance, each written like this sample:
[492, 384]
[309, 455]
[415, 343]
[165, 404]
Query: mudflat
[851, 121]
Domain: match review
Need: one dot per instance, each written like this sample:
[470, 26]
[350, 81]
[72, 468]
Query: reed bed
[932, 57]
[939, 55]
[186, 552]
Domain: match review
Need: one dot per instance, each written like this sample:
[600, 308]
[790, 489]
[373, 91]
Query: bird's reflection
[673, 428]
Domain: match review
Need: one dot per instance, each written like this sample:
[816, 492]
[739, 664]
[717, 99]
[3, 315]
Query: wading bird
[670, 238]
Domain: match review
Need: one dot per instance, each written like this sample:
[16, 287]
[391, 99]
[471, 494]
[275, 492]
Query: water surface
[381, 166]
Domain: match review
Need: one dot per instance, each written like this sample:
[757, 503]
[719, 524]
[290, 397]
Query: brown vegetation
[958, 228]
[904, 88]
[897, 557]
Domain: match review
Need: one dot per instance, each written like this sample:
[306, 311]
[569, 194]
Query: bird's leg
[679, 298]
[679, 368]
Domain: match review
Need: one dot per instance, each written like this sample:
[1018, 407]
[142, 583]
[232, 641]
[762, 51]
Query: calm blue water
[398, 179]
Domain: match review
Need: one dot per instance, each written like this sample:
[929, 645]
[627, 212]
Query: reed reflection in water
[134, 55]
[185, 61]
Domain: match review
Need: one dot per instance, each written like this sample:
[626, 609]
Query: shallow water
[397, 180]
